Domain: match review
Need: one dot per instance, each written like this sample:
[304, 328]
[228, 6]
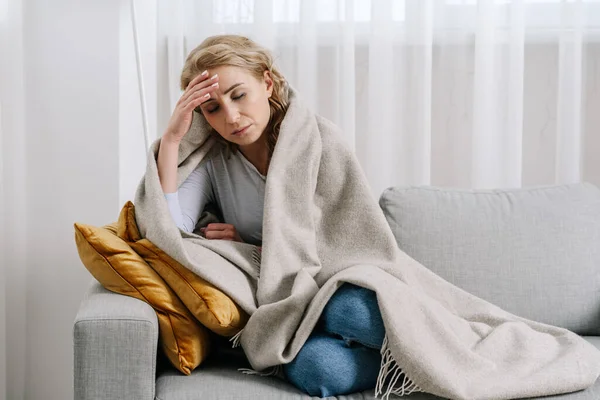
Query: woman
[232, 83]
[322, 230]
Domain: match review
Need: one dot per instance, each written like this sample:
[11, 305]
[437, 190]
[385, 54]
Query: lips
[240, 131]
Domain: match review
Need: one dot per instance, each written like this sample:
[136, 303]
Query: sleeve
[186, 205]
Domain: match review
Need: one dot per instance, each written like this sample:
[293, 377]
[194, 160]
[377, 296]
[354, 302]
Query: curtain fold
[569, 112]
[378, 101]
[459, 93]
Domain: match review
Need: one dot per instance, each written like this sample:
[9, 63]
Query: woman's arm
[187, 203]
[167, 164]
[197, 92]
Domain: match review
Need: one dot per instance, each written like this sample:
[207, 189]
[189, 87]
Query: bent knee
[326, 366]
[353, 313]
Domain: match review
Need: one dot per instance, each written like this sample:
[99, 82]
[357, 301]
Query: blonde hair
[240, 51]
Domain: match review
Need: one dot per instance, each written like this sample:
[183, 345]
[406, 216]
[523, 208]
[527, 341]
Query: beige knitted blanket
[321, 228]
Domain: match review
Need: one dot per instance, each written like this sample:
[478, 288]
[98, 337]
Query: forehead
[231, 74]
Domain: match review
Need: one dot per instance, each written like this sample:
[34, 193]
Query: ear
[269, 81]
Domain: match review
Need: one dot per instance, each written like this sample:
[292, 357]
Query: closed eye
[214, 109]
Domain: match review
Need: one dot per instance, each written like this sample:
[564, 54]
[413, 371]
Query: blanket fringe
[236, 339]
[388, 381]
[271, 371]
[257, 256]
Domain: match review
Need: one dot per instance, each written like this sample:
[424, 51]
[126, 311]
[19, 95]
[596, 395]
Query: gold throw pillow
[121, 270]
[213, 308]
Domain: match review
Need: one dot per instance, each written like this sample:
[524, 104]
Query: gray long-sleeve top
[233, 184]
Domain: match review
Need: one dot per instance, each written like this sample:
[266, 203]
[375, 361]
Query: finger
[201, 84]
[218, 226]
[195, 102]
[221, 235]
[198, 78]
[199, 97]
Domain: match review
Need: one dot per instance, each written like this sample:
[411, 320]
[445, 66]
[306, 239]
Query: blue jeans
[341, 356]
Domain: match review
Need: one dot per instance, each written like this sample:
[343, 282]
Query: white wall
[61, 153]
[6, 14]
[14, 215]
[2, 273]
[72, 163]
[132, 153]
[3, 251]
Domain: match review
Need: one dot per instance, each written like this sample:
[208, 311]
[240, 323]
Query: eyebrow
[227, 91]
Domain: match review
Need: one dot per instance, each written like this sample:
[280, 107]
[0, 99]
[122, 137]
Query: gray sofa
[534, 252]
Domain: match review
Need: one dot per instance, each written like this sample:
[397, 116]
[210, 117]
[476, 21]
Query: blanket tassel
[236, 339]
[388, 381]
[257, 256]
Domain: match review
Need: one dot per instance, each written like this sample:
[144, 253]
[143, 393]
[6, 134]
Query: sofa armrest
[115, 340]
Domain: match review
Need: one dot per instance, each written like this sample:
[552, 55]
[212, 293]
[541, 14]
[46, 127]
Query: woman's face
[239, 108]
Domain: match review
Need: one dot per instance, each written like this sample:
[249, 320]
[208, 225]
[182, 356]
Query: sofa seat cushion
[534, 252]
[218, 378]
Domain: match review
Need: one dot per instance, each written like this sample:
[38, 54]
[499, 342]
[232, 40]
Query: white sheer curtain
[480, 94]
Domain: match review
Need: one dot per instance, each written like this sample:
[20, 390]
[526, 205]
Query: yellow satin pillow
[120, 269]
[213, 308]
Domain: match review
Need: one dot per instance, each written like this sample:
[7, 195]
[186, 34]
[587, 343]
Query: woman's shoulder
[327, 126]
[332, 136]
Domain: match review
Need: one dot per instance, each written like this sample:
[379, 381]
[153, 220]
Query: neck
[258, 154]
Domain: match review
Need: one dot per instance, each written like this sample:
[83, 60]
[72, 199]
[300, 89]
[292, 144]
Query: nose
[232, 114]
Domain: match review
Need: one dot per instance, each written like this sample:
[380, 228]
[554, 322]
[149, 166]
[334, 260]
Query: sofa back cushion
[534, 252]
